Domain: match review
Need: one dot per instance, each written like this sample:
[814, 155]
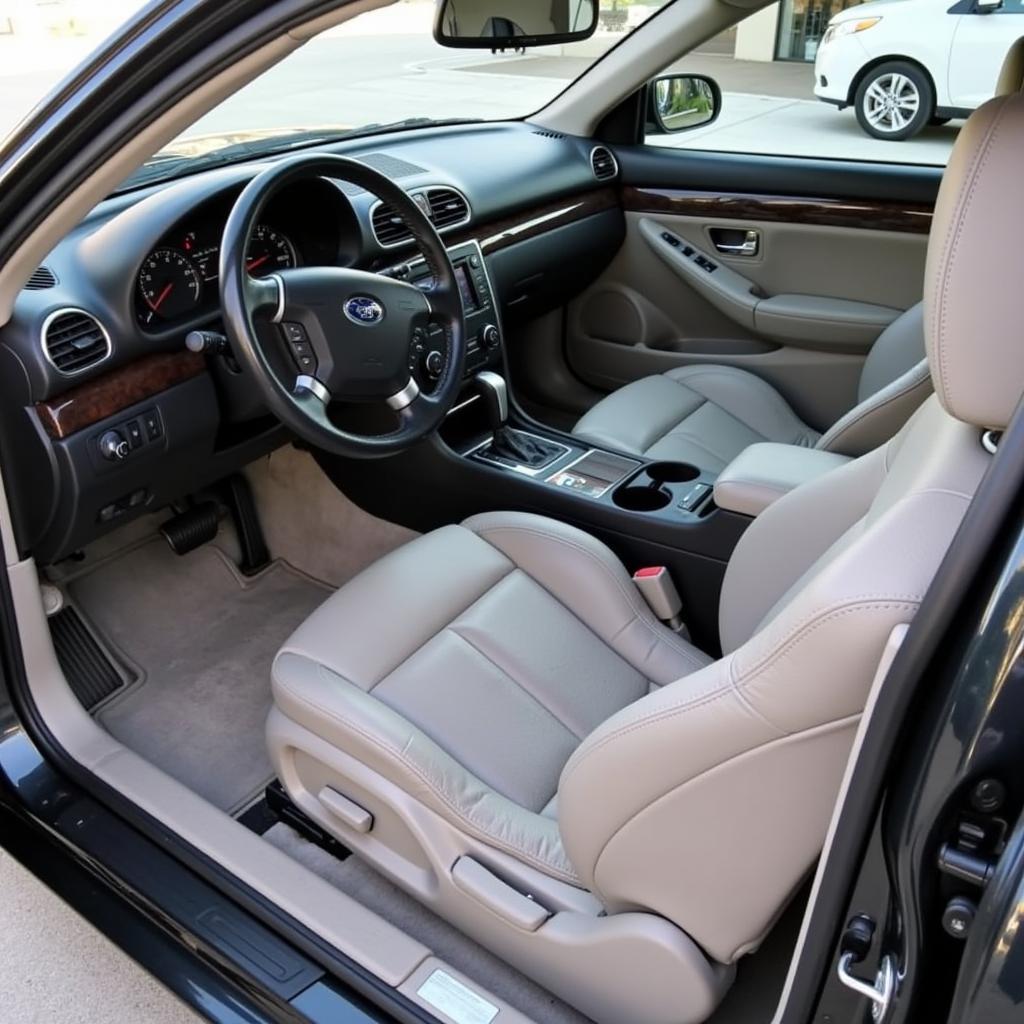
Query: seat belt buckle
[657, 589]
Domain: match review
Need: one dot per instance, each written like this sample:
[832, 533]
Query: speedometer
[268, 251]
[169, 285]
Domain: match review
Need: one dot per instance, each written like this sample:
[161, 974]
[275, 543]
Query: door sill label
[455, 1000]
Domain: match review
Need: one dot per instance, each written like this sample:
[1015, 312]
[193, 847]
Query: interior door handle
[750, 246]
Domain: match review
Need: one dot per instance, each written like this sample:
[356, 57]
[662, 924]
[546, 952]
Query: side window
[831, 79]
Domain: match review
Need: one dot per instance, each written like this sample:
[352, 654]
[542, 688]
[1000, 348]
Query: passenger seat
[707, 414]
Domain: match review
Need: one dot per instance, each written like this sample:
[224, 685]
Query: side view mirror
[987, 6]
[680, 102]
[513, 24]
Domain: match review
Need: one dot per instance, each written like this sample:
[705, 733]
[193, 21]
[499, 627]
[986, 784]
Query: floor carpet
[201, 639]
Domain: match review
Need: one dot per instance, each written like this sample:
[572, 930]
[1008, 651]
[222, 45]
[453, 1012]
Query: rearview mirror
[680, 102]
[513, 24]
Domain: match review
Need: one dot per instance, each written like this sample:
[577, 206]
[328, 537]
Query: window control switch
[133, 430]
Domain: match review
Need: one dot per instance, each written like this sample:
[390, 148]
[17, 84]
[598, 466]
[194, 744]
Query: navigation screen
[465, 287]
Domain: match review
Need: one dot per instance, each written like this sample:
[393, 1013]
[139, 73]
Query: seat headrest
[974, 279]
[1011, 75]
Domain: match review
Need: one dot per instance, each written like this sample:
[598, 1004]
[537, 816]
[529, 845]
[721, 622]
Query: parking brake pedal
[192, 528]
[255, 554]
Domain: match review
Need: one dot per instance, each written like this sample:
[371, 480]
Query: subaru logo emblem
[363, 310]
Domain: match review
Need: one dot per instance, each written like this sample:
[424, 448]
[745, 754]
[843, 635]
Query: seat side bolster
[880, 416]
[340, 712]
[737, 767]
[585, 576]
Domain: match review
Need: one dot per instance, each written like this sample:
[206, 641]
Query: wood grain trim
[108, 395]
[911, 218]
[500, 234]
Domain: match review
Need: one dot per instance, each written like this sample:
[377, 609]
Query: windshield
[381, 69]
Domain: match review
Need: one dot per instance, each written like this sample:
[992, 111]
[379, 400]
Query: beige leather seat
[706, 414]
[493, 719]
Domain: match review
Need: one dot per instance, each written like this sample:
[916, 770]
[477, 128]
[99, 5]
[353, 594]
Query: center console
[490, 455]
[482, 322]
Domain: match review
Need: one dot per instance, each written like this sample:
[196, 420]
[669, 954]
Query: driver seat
[493, 719]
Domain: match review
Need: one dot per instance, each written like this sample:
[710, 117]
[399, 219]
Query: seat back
[893, 384]
[707, 801]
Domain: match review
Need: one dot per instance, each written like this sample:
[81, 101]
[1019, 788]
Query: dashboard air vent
[603, 163]
[545, 134]
[389, 228]
[446, 208]
[42, 277]
[74, 340]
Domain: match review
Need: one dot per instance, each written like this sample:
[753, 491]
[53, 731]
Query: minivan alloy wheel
[895, 101]
[891, 103]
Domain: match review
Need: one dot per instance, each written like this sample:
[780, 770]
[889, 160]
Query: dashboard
[96, 343]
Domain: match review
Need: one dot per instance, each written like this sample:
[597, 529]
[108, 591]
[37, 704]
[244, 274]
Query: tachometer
[268, 251]
[169, 284]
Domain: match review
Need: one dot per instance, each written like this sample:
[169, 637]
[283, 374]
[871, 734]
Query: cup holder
[655, 486]
[641, 499]
[672, 472]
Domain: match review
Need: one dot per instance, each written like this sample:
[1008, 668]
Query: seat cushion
[468, 666]
[704, 415]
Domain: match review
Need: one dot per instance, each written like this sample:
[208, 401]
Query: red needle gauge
[168, 288]
[258, 262]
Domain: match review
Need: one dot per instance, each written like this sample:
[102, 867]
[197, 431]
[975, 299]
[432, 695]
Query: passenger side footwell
[201, 638]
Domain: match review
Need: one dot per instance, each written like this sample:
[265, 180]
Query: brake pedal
[191, 529]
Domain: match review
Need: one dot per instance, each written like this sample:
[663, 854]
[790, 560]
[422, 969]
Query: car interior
[485, 547]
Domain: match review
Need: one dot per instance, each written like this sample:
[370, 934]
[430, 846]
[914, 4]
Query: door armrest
[763, 473]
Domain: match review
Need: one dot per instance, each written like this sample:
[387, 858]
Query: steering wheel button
[295, 333]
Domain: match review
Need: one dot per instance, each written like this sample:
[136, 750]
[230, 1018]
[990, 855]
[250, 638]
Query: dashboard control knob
[434, 364]
[114, 446]
[490, 337]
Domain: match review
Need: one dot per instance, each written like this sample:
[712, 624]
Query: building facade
[788, 30]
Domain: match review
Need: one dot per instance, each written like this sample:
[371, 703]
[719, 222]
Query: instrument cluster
[178, 280]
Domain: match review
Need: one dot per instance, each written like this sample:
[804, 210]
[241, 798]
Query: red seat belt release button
[658, 590]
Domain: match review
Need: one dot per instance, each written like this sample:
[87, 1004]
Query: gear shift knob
[494, 392]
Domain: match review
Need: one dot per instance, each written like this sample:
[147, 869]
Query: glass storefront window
[802, 23]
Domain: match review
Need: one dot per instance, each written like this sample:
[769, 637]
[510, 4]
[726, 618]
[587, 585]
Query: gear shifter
[506, 443]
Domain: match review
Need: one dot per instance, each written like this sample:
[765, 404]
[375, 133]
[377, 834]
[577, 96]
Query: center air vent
[603, 163]
[42, 277]
[446, 208]
[74, 340]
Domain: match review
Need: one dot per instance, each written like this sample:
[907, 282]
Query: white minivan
[903, 64]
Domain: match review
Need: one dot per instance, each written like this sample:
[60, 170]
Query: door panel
[979, 49]
[802, 310]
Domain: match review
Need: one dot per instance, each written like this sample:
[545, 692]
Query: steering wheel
[361, 329]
